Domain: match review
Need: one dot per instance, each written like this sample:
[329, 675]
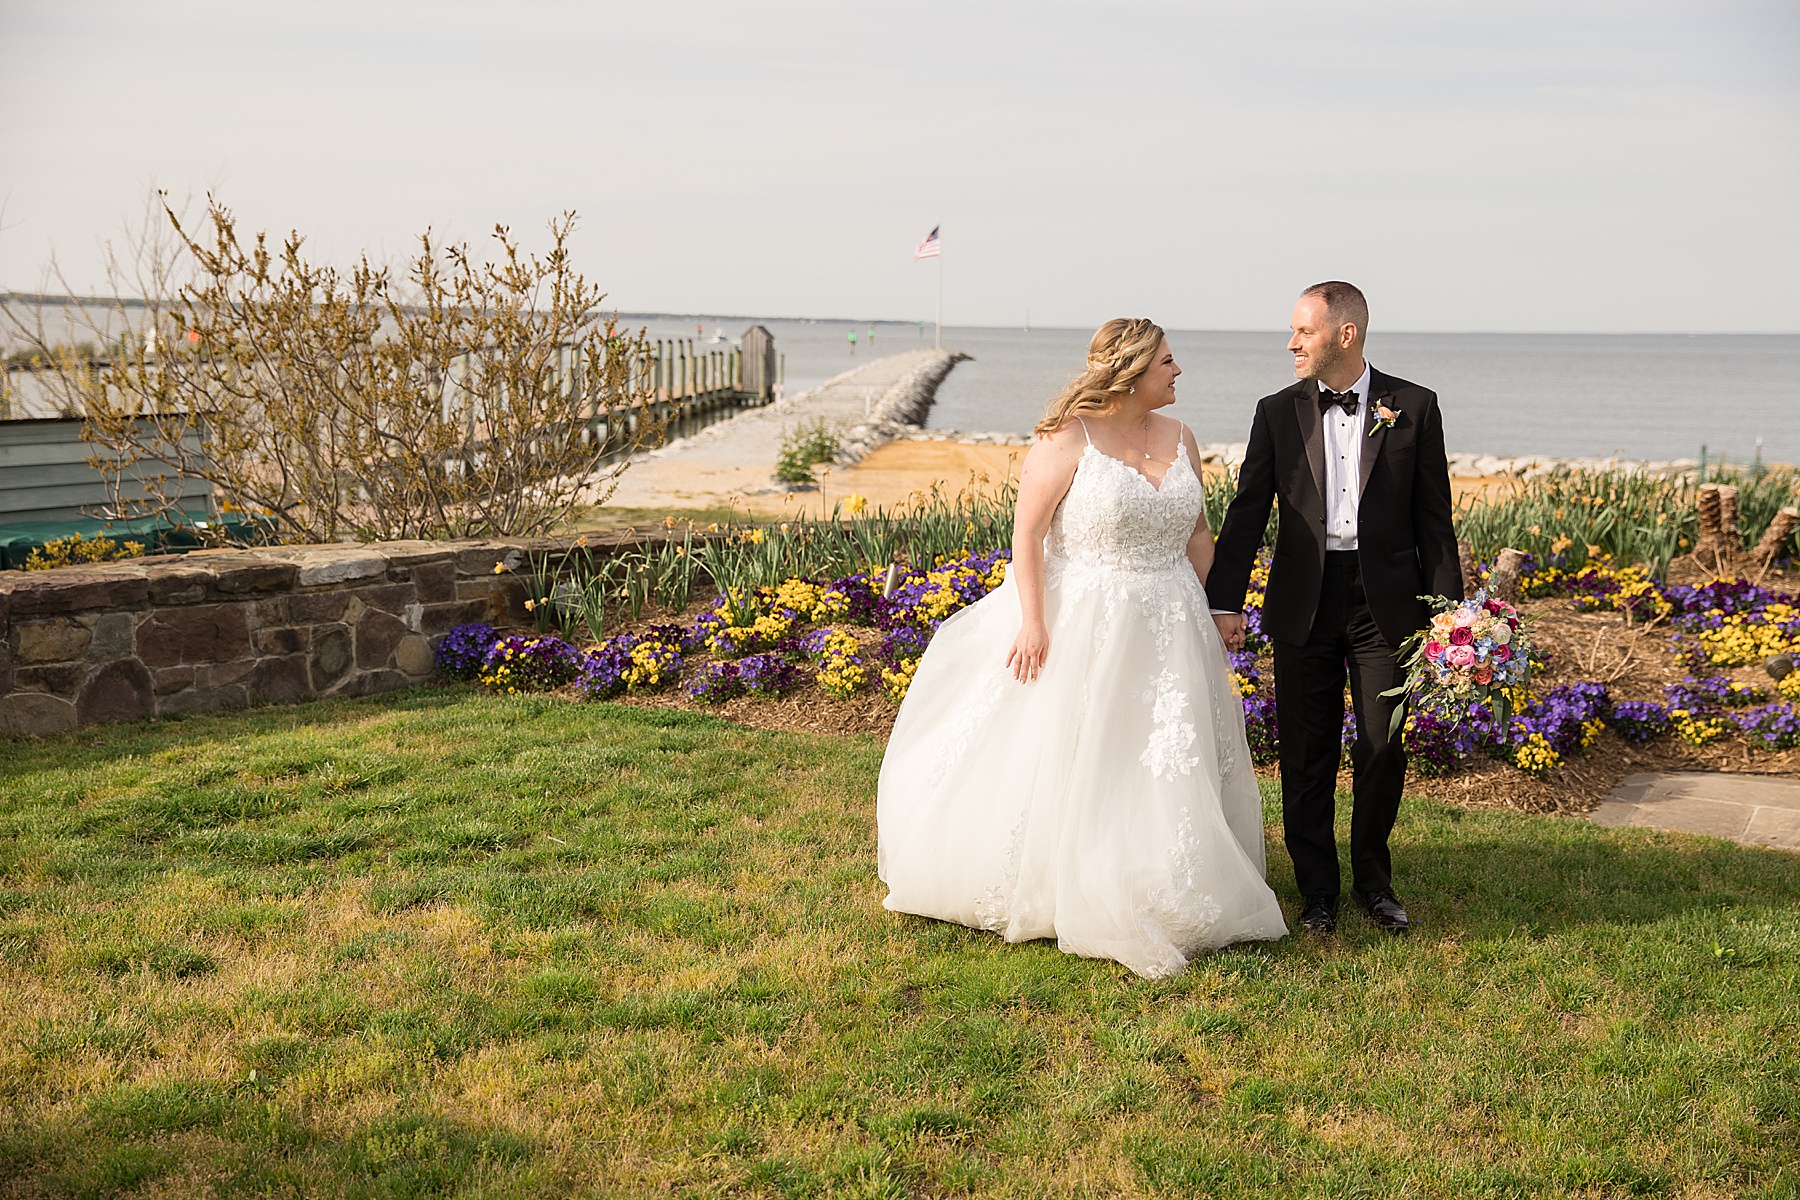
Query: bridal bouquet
[1474, 651]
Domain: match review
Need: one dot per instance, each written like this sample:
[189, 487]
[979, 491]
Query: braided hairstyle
[1121, 351]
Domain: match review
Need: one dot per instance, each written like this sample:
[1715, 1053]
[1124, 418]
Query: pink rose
[1463, 618]
[1460, 636]
[1460, 656]
[1434, 650]
[1502, 654]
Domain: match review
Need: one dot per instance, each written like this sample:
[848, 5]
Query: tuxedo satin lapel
[1374, 437]
[1312, 434]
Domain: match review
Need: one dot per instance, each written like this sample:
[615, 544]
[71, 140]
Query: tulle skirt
[1110, 804]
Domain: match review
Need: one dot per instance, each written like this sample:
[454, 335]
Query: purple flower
[1771, 727]
[1709, 693]
[1435, 746]
[535, 664]
[1260, 726]
[603, 671]
[685, 638]
[1639, 721]
[1562, 716]
[464, 649]
[902, 643]
[716, 682]
[767, 674]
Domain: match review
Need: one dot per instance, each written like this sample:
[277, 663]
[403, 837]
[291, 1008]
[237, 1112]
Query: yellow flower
[713, 528]
[499, 568]
[855, 504]
[530, 605]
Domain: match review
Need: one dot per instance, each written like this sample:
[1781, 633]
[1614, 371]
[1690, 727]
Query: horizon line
[53, 299]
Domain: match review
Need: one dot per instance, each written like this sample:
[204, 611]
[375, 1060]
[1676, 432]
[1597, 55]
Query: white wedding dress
[1111, 803]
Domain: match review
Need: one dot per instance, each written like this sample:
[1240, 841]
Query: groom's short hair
[1344, 303]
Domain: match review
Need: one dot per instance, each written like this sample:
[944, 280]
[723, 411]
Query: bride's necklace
[1146, 445]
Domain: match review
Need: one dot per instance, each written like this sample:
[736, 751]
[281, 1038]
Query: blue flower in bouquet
[464, 649]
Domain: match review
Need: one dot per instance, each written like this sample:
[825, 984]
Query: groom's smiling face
[1320, 345]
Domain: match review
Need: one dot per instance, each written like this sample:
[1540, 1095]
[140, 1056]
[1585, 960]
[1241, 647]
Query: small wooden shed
[759, 366]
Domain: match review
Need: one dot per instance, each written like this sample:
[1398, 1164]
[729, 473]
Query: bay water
[1643, 396]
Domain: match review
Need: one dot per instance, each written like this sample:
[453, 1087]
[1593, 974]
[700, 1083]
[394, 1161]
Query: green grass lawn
[442, 942]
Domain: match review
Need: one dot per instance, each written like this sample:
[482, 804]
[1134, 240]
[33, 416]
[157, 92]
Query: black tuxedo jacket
[1405, 541]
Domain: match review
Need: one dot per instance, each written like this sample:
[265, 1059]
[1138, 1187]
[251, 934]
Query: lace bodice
[1112, 516]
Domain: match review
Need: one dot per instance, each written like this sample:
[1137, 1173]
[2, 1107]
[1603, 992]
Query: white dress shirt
[1345, 434]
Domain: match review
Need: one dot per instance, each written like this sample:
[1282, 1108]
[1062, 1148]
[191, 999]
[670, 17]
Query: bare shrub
[455, 398]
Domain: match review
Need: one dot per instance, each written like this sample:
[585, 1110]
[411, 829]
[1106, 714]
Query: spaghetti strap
[1084, 431]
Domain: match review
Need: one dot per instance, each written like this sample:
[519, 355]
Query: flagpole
[937, 334]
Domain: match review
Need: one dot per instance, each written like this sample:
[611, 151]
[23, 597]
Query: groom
[1356, 460]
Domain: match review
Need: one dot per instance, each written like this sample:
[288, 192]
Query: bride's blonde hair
[1121, 351]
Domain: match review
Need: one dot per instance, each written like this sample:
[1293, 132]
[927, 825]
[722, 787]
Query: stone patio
[1752, 810]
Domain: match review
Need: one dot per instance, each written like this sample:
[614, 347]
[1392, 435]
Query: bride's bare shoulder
[1066, 440]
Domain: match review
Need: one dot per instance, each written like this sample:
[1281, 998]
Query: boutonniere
[1385, 418]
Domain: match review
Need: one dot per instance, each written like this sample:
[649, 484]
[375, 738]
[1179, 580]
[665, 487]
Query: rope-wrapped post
[1728, 516]
[1715, 549]
[1508, 565]
[1776, 535]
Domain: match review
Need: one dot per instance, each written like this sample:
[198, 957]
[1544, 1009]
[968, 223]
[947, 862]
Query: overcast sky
[1564, 165]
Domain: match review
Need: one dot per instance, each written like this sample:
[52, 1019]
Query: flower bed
[846, 636]
[853, 636]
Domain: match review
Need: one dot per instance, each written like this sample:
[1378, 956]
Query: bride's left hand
[1029, 650]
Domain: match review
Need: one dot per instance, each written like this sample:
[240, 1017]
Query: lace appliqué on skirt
[1166, 755]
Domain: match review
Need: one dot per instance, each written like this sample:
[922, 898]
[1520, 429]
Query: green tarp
[158, 534]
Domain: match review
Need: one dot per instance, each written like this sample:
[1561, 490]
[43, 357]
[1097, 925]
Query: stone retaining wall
[228, 628]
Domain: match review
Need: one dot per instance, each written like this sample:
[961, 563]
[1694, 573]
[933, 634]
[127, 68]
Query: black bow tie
[1344, 400]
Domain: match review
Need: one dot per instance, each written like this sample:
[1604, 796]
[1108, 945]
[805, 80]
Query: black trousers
[1309, 713]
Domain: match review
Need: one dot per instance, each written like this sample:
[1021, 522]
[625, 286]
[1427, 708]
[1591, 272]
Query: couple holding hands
[1070, 760]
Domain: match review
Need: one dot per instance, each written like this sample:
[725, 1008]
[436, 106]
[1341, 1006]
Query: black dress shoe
[1319, 915]
[1385, 911]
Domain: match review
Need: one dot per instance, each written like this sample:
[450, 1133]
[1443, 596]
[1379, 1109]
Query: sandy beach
[732, 464]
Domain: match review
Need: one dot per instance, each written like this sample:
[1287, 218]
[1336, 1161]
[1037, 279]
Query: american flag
[930, 247]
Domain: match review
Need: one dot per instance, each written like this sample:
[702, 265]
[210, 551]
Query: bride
[1070, 759]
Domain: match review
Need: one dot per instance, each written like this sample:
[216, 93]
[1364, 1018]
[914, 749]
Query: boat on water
[718, 335]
